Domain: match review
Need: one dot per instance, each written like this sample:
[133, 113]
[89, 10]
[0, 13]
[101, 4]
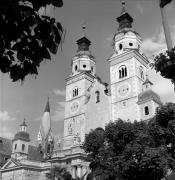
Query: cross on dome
[124, 20]
[84, 29]
[24, 123]
[123, 7]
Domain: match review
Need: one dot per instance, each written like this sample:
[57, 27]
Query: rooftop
[149, 95]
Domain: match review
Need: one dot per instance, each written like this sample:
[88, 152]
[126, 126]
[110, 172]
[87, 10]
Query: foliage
[26, 37]
[165, 63]
[59, 173]
[134, 151]
[164, 3]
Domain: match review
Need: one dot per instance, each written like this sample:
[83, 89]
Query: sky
[28, 100]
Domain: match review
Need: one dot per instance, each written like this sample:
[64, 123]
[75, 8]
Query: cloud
[140, 7]
[6, 132]
[61, 104]
[4, 116]
[59, 92]
[163, 87]
[156, 44]
[58, 114]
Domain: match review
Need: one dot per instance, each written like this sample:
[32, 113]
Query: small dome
[22, 136]
[148, 95]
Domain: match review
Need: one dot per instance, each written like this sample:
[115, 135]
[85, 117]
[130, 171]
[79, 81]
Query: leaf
[20, 56]
[24, 32]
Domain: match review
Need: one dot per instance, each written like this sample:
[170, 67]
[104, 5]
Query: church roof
[47, 108]
[5, 146]
[83, 44]
[125, 22]
[83, 40]
[34, 154]
[5, 150]
[125, 16]
[148, 95]
[22, 136]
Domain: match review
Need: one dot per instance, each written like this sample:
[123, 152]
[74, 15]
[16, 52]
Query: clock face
[123, 90]
[74, 107]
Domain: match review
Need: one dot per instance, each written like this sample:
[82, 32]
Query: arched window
[23, 147]
[76, 67]
[15, 146]
[75, 92]
[146, 110]
[70, 130]
[122, 71]
[141, 72]
[120, 46]
[97, 96]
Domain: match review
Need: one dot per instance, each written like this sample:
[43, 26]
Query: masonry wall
[98, 113]
[152, 109]
[22, 174]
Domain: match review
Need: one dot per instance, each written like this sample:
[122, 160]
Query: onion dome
[147, 96]
[22, 136]
[83, 44]
[125, 20]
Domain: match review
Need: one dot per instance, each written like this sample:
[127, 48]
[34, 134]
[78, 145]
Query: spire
[47, 108]
[45, 132]
[125, 20]
[45, 126]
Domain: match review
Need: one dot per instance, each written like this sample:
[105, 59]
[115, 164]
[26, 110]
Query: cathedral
[89, 103]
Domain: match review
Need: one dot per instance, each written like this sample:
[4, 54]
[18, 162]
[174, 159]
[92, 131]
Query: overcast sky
[29, 99]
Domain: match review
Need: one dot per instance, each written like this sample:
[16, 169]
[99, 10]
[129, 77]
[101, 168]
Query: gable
[11, 163]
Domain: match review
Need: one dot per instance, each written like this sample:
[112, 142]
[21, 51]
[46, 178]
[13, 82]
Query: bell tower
[21, 142]
[128, 67]
[83, 61]
[81, 78]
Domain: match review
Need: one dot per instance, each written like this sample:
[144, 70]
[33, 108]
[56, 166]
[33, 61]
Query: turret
[125, 38]
[147, 84]
[21, 142]
[45, 138]
[148, 100]
[83, 61]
